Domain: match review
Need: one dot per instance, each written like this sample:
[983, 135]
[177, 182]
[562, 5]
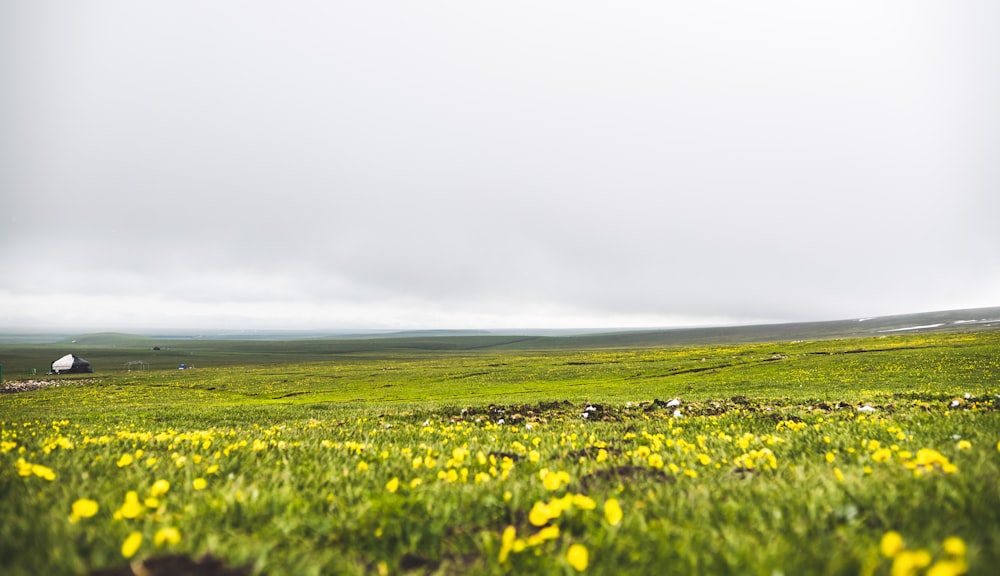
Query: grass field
[878, 455]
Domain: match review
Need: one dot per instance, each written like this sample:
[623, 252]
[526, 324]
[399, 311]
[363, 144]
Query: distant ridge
[941, 321]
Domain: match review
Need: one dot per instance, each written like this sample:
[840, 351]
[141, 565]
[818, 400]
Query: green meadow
[498, 454]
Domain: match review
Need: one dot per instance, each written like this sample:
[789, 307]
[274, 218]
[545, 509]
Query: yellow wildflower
[83, 508]
[954, 546]
[948, 568]
[199, 483]
[907, 562]
[578, 557]
[584, 502]
[160, 487]
[544, 535]
[507, 543]
[131, 544]
[166, 535]
[881, 454]
[542, 512]
[131, 508]
[892, 544]
[38, 470]
[612, 512]
[392, 485]
[964, 445]
[553, 480]
[125, 460]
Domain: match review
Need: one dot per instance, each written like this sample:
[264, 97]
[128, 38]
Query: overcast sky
[457, 164]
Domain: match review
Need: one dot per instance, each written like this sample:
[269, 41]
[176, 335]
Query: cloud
[557, 164]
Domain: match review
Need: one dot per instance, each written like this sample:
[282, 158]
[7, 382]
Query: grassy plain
[492, 459]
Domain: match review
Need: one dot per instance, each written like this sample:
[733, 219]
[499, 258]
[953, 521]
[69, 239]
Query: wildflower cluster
[912, 562]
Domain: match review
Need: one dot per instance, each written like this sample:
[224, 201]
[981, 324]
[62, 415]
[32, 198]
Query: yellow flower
[964, 445]
[392, 485]
[704, 459]
[83, 508]
[543, 535]
[907, 562]
[830, 457]
[838, 474]
[892, 544]
[655, 461]
[131, 508]
[542, 512]
[199, 483]
[612, 512]
[131, 544]
[553, 480]
[160, 487]
[948, 568]
[125, 460]
[584, 502]
[152, 502]
[43, 472]
[167, 535]
[954, 546]
[578, 557]
[881, 455]
[507, 543]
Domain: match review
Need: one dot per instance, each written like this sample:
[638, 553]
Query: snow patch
[913, 328]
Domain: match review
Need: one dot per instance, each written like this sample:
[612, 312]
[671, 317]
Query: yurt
[70, 364]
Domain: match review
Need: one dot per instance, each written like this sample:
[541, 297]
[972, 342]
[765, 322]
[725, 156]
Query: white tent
[70, 363]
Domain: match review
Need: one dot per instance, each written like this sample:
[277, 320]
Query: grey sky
[504, 164]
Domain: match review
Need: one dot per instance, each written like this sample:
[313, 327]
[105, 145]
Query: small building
[71, 364]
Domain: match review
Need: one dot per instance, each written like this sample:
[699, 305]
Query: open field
[778, 457]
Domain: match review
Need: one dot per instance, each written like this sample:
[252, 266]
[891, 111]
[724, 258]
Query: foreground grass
[486, 463]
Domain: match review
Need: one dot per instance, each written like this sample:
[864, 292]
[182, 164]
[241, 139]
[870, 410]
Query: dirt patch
[622, 474]
[176, 565]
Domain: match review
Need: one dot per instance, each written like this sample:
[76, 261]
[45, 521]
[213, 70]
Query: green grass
[298, 454]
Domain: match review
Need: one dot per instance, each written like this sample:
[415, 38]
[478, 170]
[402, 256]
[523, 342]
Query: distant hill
[27, 353]
[943, 321]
